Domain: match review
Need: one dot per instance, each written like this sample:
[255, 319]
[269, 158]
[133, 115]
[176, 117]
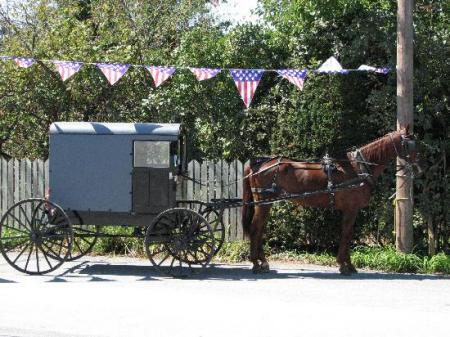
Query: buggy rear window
[154, 154]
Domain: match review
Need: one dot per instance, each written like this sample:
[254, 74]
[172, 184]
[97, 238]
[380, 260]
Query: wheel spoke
[37, 259]
[165, 258]
[56, 255]
[15, 229]
[19, 221]
[15, 237]
[29, 255]
[17, 245]
[46, 258]
[20, 254]
[26, 216]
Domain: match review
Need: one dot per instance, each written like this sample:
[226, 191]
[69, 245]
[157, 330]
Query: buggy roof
[93, 128]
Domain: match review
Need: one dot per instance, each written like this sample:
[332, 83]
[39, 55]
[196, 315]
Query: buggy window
[152, 154]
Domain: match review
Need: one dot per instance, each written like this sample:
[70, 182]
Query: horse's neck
[381, 152]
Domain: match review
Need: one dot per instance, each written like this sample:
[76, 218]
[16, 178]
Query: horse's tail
[247, 197]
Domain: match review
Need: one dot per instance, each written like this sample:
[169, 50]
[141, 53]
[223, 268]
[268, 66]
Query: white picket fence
[22, 179]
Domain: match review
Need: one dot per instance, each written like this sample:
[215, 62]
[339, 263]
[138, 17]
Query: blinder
[409, 147]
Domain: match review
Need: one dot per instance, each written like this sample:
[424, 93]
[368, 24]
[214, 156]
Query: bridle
[407, 147]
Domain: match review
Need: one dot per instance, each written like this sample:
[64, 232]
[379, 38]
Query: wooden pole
[405, 117]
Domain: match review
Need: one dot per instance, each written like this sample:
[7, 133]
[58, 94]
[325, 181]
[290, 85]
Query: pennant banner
[295, 76]
[364, 67]
[247, 81]
[24, 62]
[67, 68]
[160, 74]
[332, 66]
[113, 72]
[204, 73]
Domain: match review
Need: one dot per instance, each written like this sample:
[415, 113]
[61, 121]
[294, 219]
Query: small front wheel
[180, 242]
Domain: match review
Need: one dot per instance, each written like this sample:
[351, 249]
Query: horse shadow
[103, 271]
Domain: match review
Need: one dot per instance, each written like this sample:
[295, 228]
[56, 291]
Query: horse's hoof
[265, 268]
[345, 270]
[256, 269]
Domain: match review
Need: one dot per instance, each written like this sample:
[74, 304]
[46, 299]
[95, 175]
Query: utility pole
[405, 117]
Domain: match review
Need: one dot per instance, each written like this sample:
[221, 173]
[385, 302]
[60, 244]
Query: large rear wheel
[35, 236]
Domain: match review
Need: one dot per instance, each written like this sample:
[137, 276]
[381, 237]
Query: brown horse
[345, 184]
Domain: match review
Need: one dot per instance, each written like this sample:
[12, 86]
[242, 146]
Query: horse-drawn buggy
[106, 174]
[112, 174]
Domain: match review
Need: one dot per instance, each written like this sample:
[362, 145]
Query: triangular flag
[24, 62]
[331, 66]
[204, 73]
[113, 72]
[160, 74]
[67, 68]
[247, 81]
[383, 70]
[295, 76]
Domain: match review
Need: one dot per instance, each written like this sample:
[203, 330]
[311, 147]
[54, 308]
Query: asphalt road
[124, 297]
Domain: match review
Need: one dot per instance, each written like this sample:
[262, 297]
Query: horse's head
[408, 149]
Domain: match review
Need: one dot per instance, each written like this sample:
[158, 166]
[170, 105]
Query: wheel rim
[180, 242]
[84, 239]
[215, 219]
[35, 236]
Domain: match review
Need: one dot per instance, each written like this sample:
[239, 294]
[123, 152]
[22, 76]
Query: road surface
[100, 296]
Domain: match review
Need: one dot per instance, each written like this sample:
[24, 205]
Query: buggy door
[152, 177]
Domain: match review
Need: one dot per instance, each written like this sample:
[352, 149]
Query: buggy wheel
[215, 219]
[213, 216]
[35, 236]
[180, 242]
[84, 239]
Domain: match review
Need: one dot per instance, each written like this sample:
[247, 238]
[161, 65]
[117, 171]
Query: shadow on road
[234, 273]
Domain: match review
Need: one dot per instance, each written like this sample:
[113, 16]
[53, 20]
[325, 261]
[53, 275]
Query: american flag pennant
[295, 76]
[113, 72]
[247, 81]
[332, 66]
[24, 62]
[204, 73]
[160, 74]
[67, 68]
[383, 70]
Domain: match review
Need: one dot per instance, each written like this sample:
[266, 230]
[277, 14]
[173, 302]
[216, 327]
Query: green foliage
[118, 245]
[439, 263]
[332, 113]
[386, 259]
[236, 251]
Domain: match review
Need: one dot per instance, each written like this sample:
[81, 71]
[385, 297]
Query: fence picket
[21, 179]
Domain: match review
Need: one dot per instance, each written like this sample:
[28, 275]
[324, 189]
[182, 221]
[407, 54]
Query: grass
[385, 259]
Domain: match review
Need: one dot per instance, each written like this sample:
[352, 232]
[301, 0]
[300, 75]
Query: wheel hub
[36, 237]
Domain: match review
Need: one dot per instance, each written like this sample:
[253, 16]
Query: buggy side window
[154, 154]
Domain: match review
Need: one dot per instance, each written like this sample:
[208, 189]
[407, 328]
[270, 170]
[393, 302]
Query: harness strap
[363, 167]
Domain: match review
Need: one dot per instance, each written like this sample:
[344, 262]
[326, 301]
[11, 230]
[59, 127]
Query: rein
[277, 164]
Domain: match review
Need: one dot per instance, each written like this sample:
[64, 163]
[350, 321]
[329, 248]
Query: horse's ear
[404, 129]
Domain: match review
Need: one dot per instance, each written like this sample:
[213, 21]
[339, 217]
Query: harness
[329, 166]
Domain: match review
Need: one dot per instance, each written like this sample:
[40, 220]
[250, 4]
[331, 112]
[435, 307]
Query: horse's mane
[376, 150]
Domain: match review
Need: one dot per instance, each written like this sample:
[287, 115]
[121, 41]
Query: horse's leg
[343, 257]
[264, 214]
[259, 218]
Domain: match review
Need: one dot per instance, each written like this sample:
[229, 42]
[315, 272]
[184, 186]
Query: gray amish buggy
[112, 174]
